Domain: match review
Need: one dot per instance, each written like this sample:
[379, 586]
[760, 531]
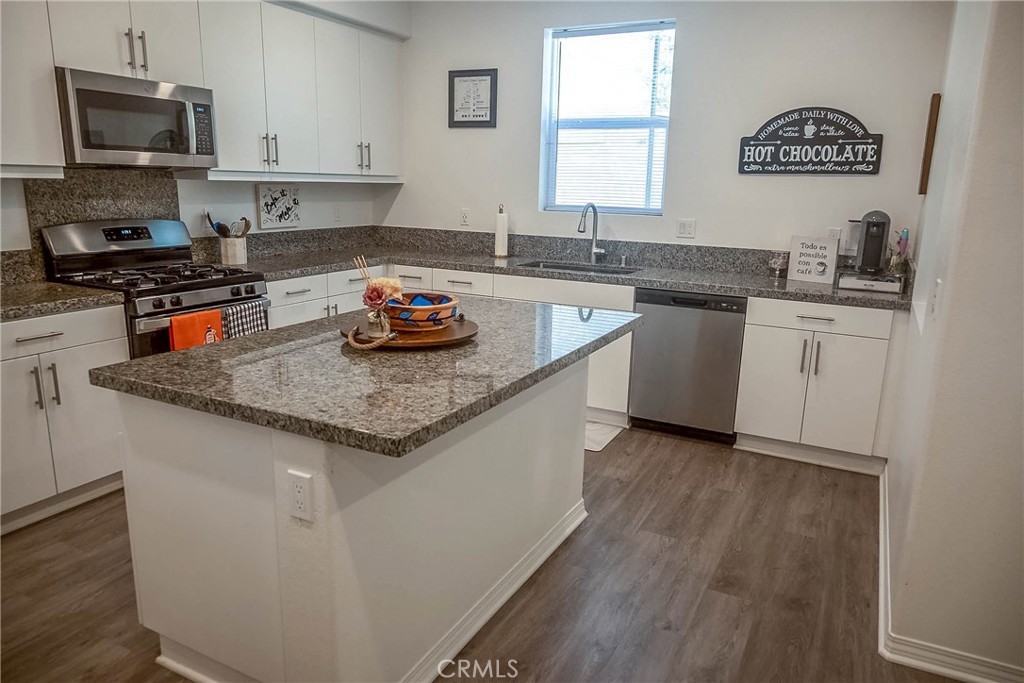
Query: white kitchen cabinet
[773, 382]
[234, 71]
[844, 388]
[462, 282]
[802, 382]
[167, 41]
[297, 289]
[338, 103]
[345, 303]
[289, 64]
[345, 281]
[27, 467]
[414, 278]
[29, 119]
[85, 421]
[94, 36]
[292, 314]
[608, 377]
[380, 83]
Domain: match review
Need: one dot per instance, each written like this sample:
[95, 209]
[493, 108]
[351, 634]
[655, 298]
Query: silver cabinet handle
[56, 382]
[360, 146]
[266, 143]
[131, 47]
[145, 52]
[369, 159]
[307, 290]
[411, 277]
[335, 307]
[803, 357]
[356, 279]
[277, 151]
[327, 311]
[817, 358]
[39, 388]
[460, 282]
[816, 317]
[48, 335]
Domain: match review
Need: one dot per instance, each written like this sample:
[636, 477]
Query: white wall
[956, 506]
[389, 16]
[736, 66]
[322, 204]
[13, 217]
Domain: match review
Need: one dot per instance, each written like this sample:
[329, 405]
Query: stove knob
[175, 300]
[250, 289]
[158, 303]
[236, 291]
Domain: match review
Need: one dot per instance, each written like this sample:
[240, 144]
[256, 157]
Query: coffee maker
[874, 238]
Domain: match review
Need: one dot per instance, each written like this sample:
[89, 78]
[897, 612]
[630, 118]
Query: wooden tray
[456, 333]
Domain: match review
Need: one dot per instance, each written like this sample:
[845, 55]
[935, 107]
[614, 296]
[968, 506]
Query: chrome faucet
[582, 228]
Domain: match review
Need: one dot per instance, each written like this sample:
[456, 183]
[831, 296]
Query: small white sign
[813, 259]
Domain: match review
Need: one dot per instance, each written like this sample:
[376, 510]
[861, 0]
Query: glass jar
[378, 324]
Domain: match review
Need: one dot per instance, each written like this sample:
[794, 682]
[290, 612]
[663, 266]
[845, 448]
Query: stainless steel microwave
[119, 121]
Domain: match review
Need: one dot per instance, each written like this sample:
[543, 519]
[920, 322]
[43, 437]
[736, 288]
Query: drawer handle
[817, 358]
[803, 357]
[461, 282]
[39, 388]
[822, 318]
[48, 335]
[307, 290]
[56, 383]
[355, 279]
[412, 277]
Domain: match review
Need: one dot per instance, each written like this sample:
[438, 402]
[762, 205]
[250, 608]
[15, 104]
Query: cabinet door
[85, 421]
[380, 83]
[28, 109]
[773, 381]
[843, 392]
[289, 64]
[26, 468]
[337, 97]
[90, 35]
[232, 44]
[170, 50]
[414, 278]
[463, 282]
[345, 303]
[291, 314]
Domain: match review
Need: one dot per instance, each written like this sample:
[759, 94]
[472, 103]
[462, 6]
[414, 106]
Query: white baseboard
[935, 659]
[460, 634]
[196, 666]
[30, 514]
[840, 460]
[608, 417]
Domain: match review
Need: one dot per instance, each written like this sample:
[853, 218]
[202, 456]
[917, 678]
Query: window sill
[656, 213]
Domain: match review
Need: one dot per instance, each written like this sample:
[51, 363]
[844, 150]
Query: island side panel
[199, 490]
[406, 558]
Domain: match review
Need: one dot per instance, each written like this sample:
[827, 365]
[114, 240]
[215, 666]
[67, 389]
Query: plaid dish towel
[243, 319]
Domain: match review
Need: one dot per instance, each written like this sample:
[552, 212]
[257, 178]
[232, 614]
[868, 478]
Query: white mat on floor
[599, 435]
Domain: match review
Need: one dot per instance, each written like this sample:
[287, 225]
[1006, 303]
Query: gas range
[151, 262]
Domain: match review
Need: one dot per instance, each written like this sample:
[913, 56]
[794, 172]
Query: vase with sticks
[378, 292]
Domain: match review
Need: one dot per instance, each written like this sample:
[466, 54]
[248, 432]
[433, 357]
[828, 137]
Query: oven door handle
[191, 128]
[152, 324]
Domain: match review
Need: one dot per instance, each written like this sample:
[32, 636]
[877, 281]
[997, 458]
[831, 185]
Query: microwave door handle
[191, 128]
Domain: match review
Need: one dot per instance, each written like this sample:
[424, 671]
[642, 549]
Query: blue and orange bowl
[422, 312]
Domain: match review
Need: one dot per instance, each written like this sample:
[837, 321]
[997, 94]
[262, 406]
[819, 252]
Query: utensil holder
[233, 251]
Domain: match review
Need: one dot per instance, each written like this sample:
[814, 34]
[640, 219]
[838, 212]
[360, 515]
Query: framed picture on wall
[473, 98]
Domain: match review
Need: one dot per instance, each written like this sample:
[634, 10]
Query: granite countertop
[286, 266]
[32, 299]
[303, 379]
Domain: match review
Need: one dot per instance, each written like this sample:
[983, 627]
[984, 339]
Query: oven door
[151, 334]
[133, 122]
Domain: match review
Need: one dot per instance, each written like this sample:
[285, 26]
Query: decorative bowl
[422, 311]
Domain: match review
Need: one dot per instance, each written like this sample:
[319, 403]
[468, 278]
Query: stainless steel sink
[579, 267]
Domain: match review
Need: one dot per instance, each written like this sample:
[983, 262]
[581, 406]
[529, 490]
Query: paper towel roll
[501, 232]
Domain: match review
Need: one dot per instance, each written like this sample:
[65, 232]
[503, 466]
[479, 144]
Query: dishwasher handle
[689, 302]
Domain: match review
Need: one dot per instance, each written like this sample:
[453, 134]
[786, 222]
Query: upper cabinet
[157, 40]
[380, 82]
[289, 63]
[29, 120]
[338, 111]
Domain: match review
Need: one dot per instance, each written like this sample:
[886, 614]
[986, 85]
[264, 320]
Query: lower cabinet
[345, 303]
[58, 431]
[292, 314]
[810, 385]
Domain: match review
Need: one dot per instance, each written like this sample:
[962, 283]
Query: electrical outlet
[836, 234]
[687, 228]
[464, 217]
[339, 212]
[300, 494]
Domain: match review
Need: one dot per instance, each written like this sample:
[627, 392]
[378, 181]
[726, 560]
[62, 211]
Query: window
[606, 112]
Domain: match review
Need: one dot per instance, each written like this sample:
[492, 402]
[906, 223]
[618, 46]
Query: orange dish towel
[195, 329]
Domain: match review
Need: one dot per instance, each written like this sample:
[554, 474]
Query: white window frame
[549, 118]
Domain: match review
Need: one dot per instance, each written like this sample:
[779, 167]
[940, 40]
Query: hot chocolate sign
[811, 141]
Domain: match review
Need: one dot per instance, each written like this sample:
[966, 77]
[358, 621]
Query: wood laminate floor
[697, 563]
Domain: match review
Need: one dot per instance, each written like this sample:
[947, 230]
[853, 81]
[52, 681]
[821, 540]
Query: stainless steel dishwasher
[686, 361]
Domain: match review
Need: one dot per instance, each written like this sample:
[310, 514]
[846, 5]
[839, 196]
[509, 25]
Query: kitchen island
[440, 480]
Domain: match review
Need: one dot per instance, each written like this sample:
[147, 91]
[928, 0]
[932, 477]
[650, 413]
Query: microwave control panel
[204, 128]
